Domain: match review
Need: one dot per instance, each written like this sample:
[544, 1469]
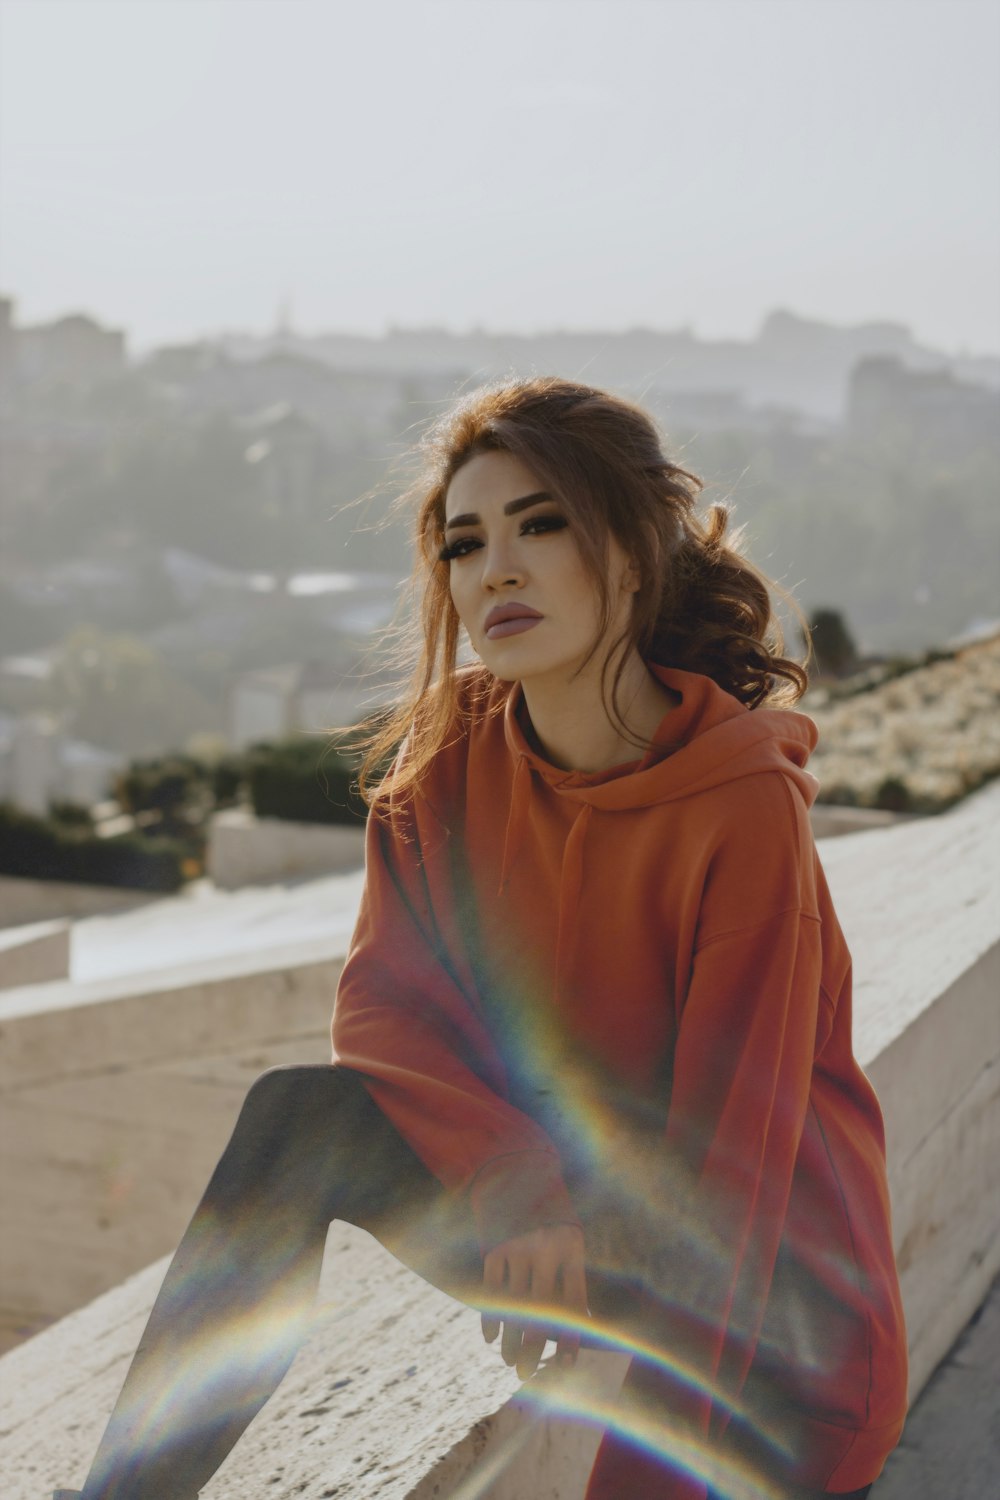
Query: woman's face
[518, 581]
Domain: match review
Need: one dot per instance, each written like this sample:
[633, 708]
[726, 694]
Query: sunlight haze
[177, 168]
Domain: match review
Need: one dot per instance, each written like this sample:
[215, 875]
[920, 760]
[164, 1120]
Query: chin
[503, 672]
[517, 659]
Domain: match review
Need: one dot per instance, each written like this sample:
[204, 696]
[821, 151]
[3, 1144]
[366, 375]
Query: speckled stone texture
[395, 1394]
[350, 1417]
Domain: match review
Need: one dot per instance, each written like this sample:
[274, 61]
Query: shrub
[307, 780]
[164, 785]
[40, 850]
[226, 778]
[71, 815]
[894, 795]
[833, 645]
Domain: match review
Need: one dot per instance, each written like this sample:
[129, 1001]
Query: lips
[509, 619]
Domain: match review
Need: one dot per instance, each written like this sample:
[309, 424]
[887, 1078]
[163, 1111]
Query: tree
[833, 645]
[119, 693]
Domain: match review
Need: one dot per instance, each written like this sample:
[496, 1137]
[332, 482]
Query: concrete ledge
[919, 904]
[247, 850]
[115, 1102]
[384, 1342]
[830, 821]
[34, 953]
[39, 900]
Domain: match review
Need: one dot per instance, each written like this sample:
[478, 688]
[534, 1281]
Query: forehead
[489, 480]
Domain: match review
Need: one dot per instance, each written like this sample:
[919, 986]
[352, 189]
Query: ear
[632, 577]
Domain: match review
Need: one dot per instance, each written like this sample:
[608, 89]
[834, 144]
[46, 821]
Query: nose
[501, 568]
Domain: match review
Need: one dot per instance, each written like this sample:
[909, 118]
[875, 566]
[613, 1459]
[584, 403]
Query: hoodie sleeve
[742, 1075]
[404, 1021]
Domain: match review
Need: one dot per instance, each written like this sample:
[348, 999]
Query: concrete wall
[918, 904]
[23, 901]
[246, 850]
[830, 821]
[34, 953]
[115, 1104]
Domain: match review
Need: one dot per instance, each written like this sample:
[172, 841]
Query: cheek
[459, 602]
[581, 588]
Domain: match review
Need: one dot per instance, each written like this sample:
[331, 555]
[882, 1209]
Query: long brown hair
[701, 605]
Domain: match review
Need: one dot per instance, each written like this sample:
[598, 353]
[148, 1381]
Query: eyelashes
[458, 548]
[537, 526]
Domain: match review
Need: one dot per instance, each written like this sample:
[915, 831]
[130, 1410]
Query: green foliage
[833, 645]
[164, 785]
[894, 795]
[71, 815]
[39, 850]
[120, 693]
[226, 778]
[306, 780]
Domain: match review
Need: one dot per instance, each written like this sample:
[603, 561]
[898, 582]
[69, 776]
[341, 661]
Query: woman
[594, 1068]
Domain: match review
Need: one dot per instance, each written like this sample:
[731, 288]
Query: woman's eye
[461, 547]
[543, 523]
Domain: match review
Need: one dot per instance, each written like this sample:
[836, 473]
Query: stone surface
[34, 953]
[113, 1113]
[203, 925]
[829, 820]
[40, 900]
[950, 1449]
[919, 904]
[246, 850]
[394, 1395]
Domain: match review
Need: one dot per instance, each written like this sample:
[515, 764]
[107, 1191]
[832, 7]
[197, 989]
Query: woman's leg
[309, 1146]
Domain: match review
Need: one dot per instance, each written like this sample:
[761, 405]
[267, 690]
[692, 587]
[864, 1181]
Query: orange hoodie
[540, 953]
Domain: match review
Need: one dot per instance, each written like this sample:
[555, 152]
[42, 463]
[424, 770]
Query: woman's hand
[536, 1275]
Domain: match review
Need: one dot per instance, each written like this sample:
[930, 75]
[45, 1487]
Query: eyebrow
[510, 509]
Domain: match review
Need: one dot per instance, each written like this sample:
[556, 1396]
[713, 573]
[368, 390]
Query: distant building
[6, 344]
[74, 350]
[26, 680]
[727, 411]
[932, 405]
[39, 765]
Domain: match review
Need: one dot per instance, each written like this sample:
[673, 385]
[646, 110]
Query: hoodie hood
[707, 738]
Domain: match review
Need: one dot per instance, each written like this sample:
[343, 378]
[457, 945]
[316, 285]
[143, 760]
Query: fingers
[574, 1296]
[525, 1281]
[518, 1289]
[535, 1335]
[494, 1275]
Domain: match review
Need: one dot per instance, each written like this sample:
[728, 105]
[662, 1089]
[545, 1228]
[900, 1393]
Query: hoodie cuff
[515, 1194]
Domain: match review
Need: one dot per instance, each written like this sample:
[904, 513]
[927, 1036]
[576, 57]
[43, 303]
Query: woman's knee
[293, 1121]
[283, 1093]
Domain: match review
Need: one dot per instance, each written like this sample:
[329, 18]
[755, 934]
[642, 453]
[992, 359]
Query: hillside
[915, 743]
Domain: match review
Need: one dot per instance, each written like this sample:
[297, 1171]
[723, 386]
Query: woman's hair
[700, 606]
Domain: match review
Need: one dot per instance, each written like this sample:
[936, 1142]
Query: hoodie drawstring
[570, 885]
[517, 818]
[571, 873]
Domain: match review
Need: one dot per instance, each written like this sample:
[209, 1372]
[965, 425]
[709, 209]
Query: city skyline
[184, 170]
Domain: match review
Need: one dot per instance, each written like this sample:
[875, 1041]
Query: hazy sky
[178, 167]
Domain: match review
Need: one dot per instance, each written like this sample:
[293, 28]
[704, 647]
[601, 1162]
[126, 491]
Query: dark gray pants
[309, 1147]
